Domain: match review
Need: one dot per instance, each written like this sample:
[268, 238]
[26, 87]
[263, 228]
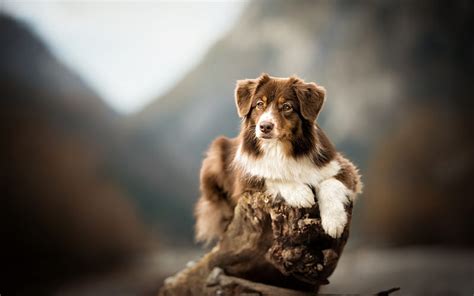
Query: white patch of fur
[296, 194]
[275, 165]
[332, 196]
[266, 116]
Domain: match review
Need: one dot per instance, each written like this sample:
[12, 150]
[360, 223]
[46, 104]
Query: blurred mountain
[73, 191]
[379, 61]
[35, 82]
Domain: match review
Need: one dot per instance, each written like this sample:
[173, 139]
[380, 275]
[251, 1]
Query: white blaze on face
[267, 116]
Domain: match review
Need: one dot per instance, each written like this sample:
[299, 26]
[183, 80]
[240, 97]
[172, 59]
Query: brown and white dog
[280, 150]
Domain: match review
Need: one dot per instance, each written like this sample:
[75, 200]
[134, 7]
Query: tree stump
[269, 248]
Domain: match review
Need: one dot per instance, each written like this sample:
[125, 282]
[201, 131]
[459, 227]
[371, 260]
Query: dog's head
[282, 109]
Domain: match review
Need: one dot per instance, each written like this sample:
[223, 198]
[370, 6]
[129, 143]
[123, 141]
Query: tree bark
[269, 248]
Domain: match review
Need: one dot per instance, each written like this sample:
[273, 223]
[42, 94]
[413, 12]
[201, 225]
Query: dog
[280, 150]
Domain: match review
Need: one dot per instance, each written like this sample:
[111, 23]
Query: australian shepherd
[280, 150]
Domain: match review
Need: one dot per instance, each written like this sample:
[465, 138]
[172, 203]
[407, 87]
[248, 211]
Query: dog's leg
[332, 196]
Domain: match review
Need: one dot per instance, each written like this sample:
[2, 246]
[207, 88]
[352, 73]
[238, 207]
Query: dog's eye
[286, 107]
[260, 105]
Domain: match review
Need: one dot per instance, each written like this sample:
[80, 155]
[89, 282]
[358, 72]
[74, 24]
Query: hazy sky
[129, 52]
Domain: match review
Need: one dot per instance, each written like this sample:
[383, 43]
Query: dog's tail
[212, 218]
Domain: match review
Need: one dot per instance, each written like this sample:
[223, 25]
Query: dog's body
[280, 150]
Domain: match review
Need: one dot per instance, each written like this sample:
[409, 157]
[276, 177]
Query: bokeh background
[107, 108]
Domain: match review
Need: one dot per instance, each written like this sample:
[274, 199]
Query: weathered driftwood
[269, 248]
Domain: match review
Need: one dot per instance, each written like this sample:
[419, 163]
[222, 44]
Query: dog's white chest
[286, 176]
[274, 165]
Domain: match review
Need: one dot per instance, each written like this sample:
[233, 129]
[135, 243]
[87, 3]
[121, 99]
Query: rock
[269, 248]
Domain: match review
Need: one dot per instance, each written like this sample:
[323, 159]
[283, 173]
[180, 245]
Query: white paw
[297, 195]
[332, 196]
[334, 222]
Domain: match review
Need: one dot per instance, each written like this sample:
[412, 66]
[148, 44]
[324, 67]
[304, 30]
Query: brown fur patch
[349, 175]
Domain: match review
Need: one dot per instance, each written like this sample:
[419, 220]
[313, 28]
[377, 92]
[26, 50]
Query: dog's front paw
[334, 222]
[298, 195]
[332, 197]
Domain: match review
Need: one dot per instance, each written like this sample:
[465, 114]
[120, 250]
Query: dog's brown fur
[222, 181]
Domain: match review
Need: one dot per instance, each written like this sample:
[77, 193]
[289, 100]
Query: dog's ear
[310, 96]
[243, 95]
[244, 91]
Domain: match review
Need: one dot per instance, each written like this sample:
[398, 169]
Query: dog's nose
[266, 127]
